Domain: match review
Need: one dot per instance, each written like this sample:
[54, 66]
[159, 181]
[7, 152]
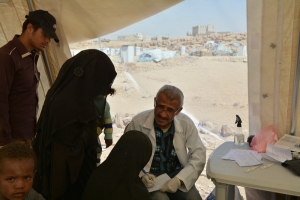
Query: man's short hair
[17, 151]
[35, 25]
[172, 93]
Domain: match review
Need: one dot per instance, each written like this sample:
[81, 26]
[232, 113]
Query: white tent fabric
[77, 20]
[83, 20]
[273, 34]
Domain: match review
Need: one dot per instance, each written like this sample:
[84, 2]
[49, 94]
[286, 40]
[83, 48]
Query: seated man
[17, 169]
[177, 147]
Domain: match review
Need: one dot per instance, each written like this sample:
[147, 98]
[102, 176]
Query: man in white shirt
[177, 148]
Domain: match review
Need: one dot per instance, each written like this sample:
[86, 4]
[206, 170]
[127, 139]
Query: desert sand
[215, 90]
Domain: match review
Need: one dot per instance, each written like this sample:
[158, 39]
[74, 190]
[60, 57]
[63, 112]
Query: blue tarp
[156, 55]
[221, 49]
[145, 58]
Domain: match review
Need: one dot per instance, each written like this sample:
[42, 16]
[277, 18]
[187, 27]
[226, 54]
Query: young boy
[17, 170]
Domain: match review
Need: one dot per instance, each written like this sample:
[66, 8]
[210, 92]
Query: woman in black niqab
[66, 138]
[117, 177]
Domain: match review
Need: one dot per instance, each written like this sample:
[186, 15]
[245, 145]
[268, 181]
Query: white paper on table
[266, 156]
[289, 142]
[160, 180]
[246, 159]
[229, 156]
[278, 153]
[256, 154]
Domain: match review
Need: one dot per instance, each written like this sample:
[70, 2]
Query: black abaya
[66, 138]
[117, 177]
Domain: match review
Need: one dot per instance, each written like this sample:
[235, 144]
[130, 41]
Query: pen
[147, 175]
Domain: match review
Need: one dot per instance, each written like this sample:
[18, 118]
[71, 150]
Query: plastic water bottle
[238, 135]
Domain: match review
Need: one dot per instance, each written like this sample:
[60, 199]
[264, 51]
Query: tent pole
[45, 58]
[295, 91]
[30, 5]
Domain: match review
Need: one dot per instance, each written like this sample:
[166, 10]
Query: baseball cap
[47, 22]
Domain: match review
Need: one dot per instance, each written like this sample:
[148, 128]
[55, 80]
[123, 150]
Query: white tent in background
[242, 50]
[127, 54]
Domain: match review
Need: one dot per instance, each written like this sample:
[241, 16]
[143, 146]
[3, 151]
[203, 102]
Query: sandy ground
[215, 91]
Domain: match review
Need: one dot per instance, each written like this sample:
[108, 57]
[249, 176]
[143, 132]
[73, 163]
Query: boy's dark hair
[16, 151]
[35, 25]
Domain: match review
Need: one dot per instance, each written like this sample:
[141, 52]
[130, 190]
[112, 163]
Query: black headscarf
[71, 100]
[117, 177]
[81, 78]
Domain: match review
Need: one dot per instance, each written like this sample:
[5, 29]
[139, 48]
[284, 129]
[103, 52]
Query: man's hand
[108, 142]
[171, 185]
[148, 180]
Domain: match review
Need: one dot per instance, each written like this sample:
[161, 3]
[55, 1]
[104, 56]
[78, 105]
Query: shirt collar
[171, 129]
[21, 48]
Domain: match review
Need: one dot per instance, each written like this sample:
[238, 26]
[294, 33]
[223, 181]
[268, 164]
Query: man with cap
[19, 77]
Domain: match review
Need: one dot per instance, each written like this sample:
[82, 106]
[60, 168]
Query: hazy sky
[225, 15]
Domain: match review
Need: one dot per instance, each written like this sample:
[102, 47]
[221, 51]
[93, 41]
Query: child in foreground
[17, 170]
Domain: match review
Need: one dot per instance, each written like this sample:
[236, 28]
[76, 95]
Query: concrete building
[210, 29]
[203, 30]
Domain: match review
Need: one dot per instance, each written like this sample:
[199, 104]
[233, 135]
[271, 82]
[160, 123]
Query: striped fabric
[108, 128]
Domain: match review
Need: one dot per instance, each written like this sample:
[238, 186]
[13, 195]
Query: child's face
[16, 177]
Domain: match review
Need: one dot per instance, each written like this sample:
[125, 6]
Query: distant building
[159, 38]
[210, 29]
[224, 32]
[137, 36]
[203, 30]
